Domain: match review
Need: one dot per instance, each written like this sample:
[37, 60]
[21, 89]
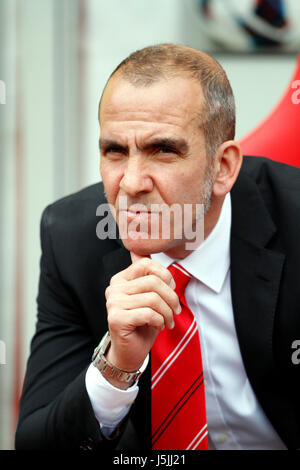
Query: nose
[136, 178]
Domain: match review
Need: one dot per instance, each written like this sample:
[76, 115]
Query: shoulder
[79, 205]
[274, 185]
[69, 224]
[267, 173]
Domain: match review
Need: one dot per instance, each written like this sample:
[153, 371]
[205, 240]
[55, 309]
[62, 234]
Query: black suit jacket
[76, 267]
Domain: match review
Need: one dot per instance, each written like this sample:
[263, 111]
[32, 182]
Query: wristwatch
[109, 370]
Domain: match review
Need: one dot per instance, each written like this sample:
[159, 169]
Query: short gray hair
[151, 64]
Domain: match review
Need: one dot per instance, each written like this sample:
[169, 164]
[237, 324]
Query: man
[167, 138]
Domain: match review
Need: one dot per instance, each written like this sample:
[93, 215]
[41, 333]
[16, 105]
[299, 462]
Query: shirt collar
[210, 262]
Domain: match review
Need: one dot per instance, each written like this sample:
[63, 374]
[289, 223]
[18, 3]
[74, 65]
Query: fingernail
[178, 310]
[172, 325]
[172, 284]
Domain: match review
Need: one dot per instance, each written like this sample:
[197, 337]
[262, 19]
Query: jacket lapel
[255, 279]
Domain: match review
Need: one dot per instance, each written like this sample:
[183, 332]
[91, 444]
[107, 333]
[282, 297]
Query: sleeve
[55, 409]
[110, 404]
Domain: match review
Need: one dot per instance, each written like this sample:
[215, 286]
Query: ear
[228, 161]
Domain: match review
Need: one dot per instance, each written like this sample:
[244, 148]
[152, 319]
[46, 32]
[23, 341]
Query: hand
[140, 302]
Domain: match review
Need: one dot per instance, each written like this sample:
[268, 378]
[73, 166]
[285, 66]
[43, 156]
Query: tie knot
[181, 277]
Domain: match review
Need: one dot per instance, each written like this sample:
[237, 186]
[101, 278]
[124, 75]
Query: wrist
[122, 361]
[117, 377]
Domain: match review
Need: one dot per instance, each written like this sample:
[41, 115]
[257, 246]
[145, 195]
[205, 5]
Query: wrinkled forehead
[181, 96]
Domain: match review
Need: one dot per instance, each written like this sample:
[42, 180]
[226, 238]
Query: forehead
[174, 102]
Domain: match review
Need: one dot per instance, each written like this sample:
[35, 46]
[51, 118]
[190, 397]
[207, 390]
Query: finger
[150, 283]
[143, 316]
[146, 300]
[135, 257]
[144, 267]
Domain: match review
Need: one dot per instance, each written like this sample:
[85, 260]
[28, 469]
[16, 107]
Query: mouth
[135, 209]
[134, 214]
[138, 222]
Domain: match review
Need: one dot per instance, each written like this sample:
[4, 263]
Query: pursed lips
[133, 214]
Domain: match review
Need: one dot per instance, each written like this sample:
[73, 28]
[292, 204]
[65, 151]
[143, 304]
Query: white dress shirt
[235, 419]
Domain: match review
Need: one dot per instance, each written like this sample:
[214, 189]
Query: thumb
[135, 257]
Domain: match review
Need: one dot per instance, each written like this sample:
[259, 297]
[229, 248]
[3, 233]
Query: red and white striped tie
[177, 386]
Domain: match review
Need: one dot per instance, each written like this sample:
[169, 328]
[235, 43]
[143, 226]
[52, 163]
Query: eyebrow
[178, 144]
[104, 144]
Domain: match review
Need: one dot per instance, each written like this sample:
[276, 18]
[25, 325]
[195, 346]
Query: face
[153, 157]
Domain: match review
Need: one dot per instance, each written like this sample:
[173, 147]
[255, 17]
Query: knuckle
[168, 277]
[115, 279]
[115, 300]
[148, 314]
[153, 298]
[107, 292]
[146, 263]
[113, 318]
[154, 281]
[174, 298]
[109, 304]
[149, 311]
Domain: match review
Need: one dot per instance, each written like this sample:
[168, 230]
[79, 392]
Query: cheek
[111, 179]
[184, 185]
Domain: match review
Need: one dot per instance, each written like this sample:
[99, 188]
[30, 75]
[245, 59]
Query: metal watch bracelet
[109, 370]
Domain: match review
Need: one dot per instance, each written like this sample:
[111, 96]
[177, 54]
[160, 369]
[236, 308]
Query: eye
[114, 149]
[166, 149]
[114, 152]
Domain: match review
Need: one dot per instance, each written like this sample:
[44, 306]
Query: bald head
[152, 64]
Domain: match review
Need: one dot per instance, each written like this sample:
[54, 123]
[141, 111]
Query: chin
[145, 247]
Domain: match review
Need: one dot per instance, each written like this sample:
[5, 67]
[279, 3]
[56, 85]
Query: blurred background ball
[251, 25]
